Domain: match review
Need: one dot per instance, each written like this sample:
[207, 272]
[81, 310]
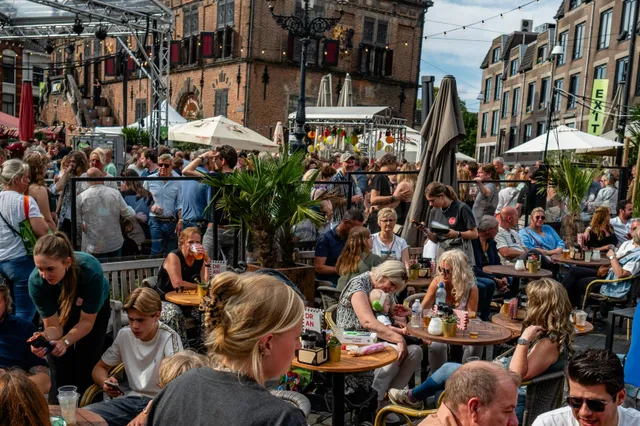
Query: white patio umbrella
[325, 92]
[217, 131]
[278, 134]
[346, 94]
[563, 138]
[463, 157]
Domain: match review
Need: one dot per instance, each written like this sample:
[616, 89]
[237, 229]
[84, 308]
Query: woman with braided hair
[253, 324]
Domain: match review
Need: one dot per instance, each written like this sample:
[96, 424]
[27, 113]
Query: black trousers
[576, 282]
[75, 366]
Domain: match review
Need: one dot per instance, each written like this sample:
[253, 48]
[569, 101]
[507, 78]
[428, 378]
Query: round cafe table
[604, 261]
[186, 298]
[348, 364]
[83, 417]
[510, 271]
[420, 282]
[492, 334]
[515, 325]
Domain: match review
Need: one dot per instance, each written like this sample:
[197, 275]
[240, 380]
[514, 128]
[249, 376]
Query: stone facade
[11, 59]
[593, 45]
[253, 74]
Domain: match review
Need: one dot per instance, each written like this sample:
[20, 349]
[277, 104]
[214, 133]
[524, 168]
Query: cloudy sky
[461, 52]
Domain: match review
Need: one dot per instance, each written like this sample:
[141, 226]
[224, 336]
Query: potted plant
[571, 184]
[270, 198]
[202, 288]
[449, 325]
[335, 349]
[414, 271]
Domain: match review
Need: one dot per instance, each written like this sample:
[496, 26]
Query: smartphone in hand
[39, 341]
[114, 386]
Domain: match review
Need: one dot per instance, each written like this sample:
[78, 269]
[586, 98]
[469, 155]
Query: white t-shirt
[142, 359]
[390, 252]
[12, 209]
[632, 267]
[564, 417]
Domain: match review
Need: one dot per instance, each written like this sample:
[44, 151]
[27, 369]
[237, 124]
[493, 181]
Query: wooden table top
[420, 282]
[492, 334]
[604, 261]
[188, 298]
[510, 271]
[83, 417]
[353, 364]
[515, 325]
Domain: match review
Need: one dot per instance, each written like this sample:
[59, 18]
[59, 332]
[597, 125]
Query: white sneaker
[401, 397]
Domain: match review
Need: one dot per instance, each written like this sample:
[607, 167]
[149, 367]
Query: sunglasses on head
[595, 405]
[166, 166]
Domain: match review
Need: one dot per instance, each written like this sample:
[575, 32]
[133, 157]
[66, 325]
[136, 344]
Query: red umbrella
[25, 127]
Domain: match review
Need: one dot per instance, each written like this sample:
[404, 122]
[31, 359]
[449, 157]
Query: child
[170, 368]
[381, 305]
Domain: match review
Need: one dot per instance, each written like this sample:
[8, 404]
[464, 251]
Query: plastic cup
[68, 406]
[67, 390]
[471, 359]
[587, 256]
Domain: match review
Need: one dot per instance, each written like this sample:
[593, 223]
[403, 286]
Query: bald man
[508, 240]
[480, 393]
[94, 172]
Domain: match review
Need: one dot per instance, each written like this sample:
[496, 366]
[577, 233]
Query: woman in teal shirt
[72, 296]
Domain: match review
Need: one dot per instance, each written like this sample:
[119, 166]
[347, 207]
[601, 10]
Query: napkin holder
[315, 356]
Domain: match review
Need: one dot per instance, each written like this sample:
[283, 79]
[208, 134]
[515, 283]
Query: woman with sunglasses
[454, 270]
[543, 347]
[540, 237]
[356, 314]
[449, 211]
[386, 243]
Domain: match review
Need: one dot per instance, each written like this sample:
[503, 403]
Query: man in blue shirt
[14, 349]
[165, 221]
[195, 195]
[330, 244]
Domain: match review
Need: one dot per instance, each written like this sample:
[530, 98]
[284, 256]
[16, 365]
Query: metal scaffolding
[148, 21]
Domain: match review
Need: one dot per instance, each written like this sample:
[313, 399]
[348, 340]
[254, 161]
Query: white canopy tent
[217, 131]
[173, 118]
[563, 138]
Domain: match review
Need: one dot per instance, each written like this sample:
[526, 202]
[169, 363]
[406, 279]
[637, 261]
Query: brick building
[516, 86]
[231, 58]
[11, 71]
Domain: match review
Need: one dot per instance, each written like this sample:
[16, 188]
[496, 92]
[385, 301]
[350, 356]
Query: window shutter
[330, 54]
[290, 44]
[207, 41]
[174, 54]
[110, 67]
[388, 63]
[131, 65]
[194, 50]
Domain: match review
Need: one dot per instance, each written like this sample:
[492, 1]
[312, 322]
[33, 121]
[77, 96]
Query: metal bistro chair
[626, 301]
[328, 294]
[94, 390]
[406, 412]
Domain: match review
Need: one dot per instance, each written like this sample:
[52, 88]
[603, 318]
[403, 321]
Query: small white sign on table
[217, 267]
[313, 319]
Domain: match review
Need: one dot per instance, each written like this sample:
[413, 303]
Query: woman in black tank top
[181, 268]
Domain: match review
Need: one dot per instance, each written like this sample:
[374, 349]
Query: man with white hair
[498, 163]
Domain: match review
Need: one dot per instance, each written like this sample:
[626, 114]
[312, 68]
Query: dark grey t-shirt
[203, 396]
[485, 205]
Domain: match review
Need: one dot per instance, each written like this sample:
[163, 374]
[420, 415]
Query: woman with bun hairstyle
[253, 323]
[71, 295]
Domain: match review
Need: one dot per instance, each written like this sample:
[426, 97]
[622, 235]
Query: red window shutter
[131, 65]
[331, 53]
[206, 45]
[174, 54]
[388, 63]
[110, 67]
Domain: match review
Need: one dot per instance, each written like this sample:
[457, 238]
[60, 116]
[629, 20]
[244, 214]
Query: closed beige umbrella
[441, 132]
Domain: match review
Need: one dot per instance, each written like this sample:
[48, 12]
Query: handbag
[25, 231]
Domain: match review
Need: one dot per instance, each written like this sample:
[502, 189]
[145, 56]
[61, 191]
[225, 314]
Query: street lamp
[555, 53]
[305, 29]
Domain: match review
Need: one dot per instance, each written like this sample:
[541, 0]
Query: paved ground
[593, 340]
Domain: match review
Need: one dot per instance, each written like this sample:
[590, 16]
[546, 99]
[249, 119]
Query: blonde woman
[543, 347]
[254, 324]
[454, 271]
[386, 243]
[356, 257]
[355, 314]
[508, 197]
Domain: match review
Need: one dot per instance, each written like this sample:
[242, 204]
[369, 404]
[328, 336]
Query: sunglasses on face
[595, 405]
[539, 217]
[166, 166]
[444, 271]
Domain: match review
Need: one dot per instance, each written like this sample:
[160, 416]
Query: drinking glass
[471, 359]
[565, 254]
[68, 405]
[581, 320]
[587, 256]
[426, 317]
[474, 328]
[197, 250]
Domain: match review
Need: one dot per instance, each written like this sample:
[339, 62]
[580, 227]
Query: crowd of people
[358, 249]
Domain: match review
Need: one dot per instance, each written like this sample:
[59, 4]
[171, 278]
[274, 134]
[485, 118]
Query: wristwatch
[393, 198]
[67, 342]
[522, 341]
[613, 256]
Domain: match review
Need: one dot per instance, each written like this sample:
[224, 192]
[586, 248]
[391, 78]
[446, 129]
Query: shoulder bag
[25, 231]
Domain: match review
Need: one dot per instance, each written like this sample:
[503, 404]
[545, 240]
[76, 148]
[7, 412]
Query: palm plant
[269, 198]
[572, 184]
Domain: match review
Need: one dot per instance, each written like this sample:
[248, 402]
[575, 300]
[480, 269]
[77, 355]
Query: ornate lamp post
[305, 29]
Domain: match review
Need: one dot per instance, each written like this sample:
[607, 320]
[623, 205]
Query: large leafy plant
[572, 184]
[269, 198]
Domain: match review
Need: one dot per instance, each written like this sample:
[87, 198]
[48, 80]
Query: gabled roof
[529, 57]
[517, 38]
[487, 58]
[560, 13]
